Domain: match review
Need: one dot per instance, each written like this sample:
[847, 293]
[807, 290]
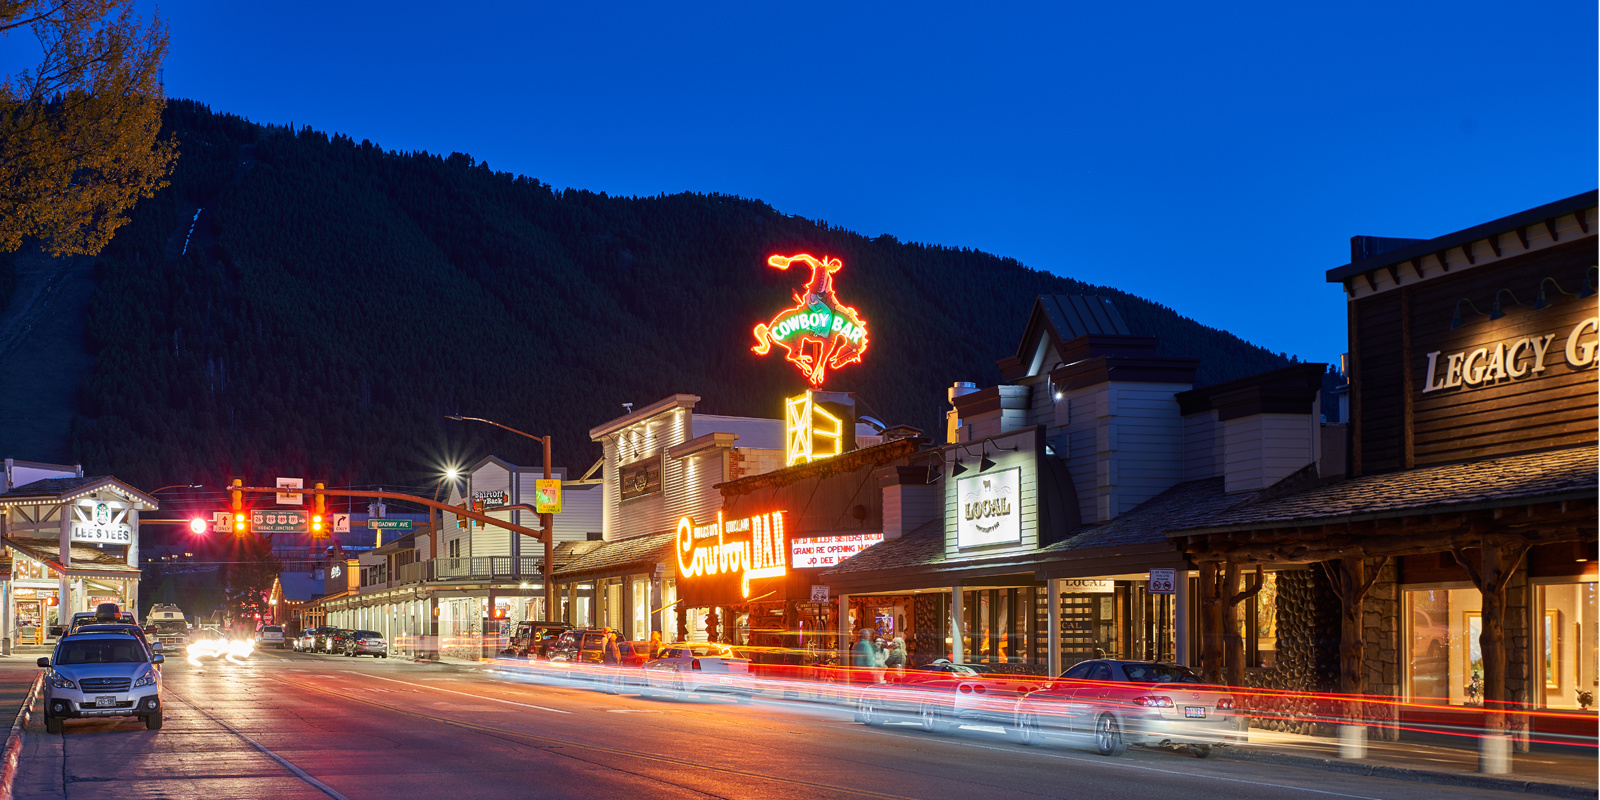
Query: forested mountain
[331, 302]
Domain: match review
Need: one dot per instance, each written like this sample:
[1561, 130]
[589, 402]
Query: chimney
[952, 417]
[909, 499]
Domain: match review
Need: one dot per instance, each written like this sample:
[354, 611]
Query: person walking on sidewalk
[611, 657]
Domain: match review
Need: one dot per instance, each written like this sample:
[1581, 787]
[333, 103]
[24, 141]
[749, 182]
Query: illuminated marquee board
[828, 551]
[818, 333]
[752, 548]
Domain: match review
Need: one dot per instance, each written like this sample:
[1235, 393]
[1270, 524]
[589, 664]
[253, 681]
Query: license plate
[1194, 712]
[105, 701]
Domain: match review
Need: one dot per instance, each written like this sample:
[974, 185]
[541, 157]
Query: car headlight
[62, 682]
[147, 679]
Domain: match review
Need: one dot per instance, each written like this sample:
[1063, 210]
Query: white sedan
[702, 669]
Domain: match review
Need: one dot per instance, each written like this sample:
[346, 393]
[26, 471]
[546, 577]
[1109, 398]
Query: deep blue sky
[1213, 158]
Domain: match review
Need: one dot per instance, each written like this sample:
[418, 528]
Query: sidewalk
[1557, 774]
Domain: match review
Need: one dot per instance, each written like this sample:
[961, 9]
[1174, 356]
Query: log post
[1499, 557]
[1232, 637]
[1211, 608]
[1351, 580]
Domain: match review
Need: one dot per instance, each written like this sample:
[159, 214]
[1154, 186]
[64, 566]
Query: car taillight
[1225, 703]
[978, 688]
[1154, 701]
[695, 665]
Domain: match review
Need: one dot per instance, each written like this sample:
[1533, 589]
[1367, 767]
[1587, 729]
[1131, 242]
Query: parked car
[533, 639]
[305, 640]
[335, 641]
[105, 612]
[319, 644]
[702, 669]
[1113, 704]
[942, 695]
[366, 643]
[101, 675]
[270, 636]
[579, 646]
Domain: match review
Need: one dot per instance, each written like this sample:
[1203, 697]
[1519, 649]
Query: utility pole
[545, 521]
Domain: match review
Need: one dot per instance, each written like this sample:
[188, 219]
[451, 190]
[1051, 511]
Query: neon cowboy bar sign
[752, 548]
[817, 333]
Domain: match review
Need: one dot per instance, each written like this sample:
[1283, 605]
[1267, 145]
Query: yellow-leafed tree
[79, 133]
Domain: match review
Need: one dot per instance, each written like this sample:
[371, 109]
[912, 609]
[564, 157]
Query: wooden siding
[1202, 446]
[1147, 443]
[1554, 409]
[905, 508]
[1085, 447]
[1261, 449]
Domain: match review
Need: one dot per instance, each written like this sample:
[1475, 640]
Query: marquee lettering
[758, 552]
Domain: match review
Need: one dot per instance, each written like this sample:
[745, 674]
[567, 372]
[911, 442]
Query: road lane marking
[565, 744]
[1126, 765]
[303, 775]
[473, 696]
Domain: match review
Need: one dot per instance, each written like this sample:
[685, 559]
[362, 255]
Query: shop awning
[52, 491]
[639, 554]
[87, 562]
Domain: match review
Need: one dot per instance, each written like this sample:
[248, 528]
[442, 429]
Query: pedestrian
[896, 659]
[655, 644]
[864, 658]
[611, 657]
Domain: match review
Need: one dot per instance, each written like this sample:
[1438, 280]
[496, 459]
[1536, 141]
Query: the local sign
[278, 521]
[828, 551]
[750, 548]
[989, 508]
[818, 333]
[390, 524]
[99, 523]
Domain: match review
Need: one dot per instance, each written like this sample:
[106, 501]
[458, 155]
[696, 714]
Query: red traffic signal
[317, 529]
[197, 526]
[240, 524]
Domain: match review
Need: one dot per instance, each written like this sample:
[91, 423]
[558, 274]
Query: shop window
[1444, 663]
[1565, 650]
[669, 609]
[641, 608]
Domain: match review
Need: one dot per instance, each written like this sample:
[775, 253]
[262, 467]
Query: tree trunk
[1500, 559]
[1211, 606]
[1352, 639]
[1232, 636]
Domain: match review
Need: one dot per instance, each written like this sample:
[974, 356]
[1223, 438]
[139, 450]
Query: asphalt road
[286, 726]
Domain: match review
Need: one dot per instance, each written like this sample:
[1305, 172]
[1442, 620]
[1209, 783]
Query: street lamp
[178, 486]
[544, 519]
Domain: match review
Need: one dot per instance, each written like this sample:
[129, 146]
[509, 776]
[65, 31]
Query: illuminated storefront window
[1565, 651]
[1444, 663]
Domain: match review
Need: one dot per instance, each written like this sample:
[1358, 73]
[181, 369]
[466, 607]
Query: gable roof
[61, 490]
[613, 556]
[1185, 504]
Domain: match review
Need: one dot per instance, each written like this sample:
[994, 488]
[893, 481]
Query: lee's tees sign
[817, 333]
[1517, 359]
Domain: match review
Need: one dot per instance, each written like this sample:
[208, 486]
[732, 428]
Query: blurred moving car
[101, 675]
[366, 643]
[941, 695]
[270, 636]
[702, 669]
[1114, 704]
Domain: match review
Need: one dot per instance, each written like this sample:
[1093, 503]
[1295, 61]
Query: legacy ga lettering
[1508, 361]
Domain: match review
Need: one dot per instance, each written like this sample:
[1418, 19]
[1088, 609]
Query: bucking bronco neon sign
[818, 333]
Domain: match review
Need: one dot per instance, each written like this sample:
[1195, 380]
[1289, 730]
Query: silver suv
[101, 675]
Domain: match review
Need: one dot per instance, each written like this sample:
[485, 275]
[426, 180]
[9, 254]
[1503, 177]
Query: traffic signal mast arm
[421, 501]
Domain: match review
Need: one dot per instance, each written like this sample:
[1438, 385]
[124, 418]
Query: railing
[460, 569]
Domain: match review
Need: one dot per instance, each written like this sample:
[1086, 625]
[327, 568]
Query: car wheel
[1200, 750]
[1108, 737]
[933, 719]
[866, 713]
[52, 724]
[152, 722]
[1026, 731]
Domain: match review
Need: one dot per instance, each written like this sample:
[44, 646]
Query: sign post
[1162, 581]
[547, 496]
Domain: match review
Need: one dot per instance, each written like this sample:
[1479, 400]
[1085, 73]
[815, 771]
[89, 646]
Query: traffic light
[241, 524]
[197, 526]
[497, 613]
[319, 516]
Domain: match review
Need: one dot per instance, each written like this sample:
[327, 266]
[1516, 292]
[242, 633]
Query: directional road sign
[390, 524]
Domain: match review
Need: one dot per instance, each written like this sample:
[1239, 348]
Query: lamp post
[450, 475]
[178, 486]
[544, 519]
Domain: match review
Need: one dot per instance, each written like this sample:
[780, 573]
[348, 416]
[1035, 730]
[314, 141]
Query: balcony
[482, 569]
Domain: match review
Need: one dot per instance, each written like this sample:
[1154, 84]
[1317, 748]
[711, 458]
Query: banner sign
[828, 551]
[989, 508]
[547, 496]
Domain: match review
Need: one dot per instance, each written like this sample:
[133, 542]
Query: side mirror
[156, 647]
[44, 662]
[56, 631]
[157, 658]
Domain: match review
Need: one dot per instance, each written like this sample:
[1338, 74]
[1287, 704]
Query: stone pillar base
[1494, 755]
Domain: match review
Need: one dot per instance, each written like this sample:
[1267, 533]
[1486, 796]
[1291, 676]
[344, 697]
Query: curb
[1473, 781]
[8, 773]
